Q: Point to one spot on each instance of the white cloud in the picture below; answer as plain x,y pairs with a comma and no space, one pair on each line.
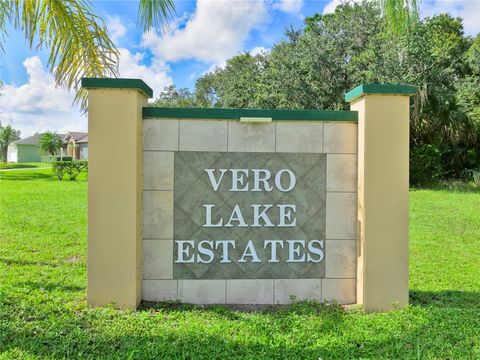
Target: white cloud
331,6
216,31
155,75
258,50
38,105
468,10
214,67
116,28
289,6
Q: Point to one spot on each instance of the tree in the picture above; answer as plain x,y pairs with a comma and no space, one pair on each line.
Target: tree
7,136
311,69
173,97
238,85
205,95
77,38
400,14
314,67
49,143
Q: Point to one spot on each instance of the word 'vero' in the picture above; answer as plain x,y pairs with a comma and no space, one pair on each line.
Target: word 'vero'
260,212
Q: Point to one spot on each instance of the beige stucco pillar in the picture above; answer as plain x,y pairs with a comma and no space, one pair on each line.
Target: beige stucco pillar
383,167
115,182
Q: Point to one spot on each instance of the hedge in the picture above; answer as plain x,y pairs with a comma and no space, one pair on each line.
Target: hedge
72,168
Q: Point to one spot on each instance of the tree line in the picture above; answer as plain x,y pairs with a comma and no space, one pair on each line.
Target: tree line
313,67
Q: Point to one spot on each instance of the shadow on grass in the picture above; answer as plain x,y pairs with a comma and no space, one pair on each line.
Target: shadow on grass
46,175
179,331
50,286
26,175
18,166
442,299
235,311
451,186
303,330
187,335
446,299
16,262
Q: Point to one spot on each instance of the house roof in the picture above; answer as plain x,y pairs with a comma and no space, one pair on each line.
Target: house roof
83,140
78,136
32,140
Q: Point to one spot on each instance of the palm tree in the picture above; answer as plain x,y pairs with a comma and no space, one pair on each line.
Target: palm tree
49,143
77,38
7,136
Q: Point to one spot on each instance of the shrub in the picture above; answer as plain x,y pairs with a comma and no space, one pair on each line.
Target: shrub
425,164
471,175
48,158
64,158
72,168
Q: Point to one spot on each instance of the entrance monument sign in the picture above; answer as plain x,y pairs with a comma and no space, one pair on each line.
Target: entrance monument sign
242,206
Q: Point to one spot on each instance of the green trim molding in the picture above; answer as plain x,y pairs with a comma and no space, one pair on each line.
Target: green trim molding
236,114
380,89
115,83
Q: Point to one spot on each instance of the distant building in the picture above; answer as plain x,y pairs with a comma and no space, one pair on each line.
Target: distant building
74,144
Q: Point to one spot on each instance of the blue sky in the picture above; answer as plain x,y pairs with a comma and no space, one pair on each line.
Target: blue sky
203,34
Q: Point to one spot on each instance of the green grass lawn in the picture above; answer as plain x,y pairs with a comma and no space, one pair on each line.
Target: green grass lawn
43,313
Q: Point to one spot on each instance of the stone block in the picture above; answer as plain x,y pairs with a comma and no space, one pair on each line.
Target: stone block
158,170
342,172
251,137
342,291
203,135
158,214
202,291
160,290
301,289
250,291
340,137
341,259
160,134
157,259
341,216
302,137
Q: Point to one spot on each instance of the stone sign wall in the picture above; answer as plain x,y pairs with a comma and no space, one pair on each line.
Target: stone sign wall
247,206
249,213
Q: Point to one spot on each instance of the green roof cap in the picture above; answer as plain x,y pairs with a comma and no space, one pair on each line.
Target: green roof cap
379,89
236,114
116,83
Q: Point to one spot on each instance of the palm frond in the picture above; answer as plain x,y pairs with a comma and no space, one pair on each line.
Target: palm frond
154,14
5,10
77,38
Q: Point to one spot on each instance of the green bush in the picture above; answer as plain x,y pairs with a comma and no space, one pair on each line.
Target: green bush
471,175
64,158
72,168
425,164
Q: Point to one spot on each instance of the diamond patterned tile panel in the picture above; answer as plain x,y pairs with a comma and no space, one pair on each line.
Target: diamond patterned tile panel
193,189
